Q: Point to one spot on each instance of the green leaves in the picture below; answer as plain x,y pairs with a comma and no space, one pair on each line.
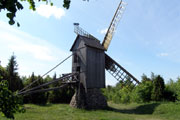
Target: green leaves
12,6
9,102
66,4
18,24
32,5
11,18
19,5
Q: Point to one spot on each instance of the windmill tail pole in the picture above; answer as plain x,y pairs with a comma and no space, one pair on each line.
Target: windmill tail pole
45,74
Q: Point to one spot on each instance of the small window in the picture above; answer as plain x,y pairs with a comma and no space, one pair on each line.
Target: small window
78,69
75,58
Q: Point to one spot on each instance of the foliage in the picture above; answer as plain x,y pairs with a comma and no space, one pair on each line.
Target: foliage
169,94
158,88
15,83
36,98
3,73
9,102
150,89
118,94
12,6
178,89
145,78
173,89
125,93
63,95
66,4
142,93
108,92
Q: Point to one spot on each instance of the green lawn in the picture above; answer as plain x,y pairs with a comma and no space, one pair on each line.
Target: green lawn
150,111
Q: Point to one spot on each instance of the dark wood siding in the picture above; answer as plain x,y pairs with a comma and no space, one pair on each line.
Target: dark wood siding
95,68
80,50
91,62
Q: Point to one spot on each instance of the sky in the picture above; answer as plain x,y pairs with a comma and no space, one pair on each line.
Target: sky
146,40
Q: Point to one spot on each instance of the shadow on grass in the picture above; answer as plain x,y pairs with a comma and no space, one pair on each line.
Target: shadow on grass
41,105
142,109
45,105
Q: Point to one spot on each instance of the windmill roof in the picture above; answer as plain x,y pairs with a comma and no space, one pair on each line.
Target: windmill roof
89,42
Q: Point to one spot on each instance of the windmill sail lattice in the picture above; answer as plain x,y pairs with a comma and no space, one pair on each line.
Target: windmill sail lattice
114,23
118,72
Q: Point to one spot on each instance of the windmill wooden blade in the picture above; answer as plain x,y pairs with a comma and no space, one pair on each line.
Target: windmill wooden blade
117,16
118,72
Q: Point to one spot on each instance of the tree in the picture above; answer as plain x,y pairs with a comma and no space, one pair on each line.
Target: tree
12,6
170,91
62,95
3,73
39,97
145,78
13,78
10,103
158,88
142,93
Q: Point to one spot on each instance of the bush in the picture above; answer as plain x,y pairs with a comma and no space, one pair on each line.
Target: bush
169,95
3,73
62,95
125,93
9,102
142,93
36,98
158,89
150,89
108,92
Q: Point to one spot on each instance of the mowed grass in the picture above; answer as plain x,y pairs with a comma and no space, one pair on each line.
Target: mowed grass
150,111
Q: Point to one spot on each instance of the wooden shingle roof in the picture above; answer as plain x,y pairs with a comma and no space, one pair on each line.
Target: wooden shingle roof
90,42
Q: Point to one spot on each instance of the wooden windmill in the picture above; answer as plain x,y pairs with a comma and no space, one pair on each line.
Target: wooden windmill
90,61
88,68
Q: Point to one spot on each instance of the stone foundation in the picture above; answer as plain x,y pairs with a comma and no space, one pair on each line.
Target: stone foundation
90,99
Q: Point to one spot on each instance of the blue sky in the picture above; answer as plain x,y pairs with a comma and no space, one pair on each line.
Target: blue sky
146,40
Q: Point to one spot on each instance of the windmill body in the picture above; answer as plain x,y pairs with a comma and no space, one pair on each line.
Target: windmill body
89,60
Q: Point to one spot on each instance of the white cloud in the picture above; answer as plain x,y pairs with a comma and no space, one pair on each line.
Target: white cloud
104,31
47,11
33,54
37,51
17,44
163,54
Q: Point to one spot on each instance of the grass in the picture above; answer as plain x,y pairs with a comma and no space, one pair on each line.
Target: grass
150,111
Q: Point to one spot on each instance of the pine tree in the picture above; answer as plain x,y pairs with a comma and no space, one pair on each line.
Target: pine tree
36,98
158,88
14,80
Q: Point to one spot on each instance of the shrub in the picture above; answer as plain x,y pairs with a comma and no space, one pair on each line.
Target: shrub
62,95
36,98
158,89
142,93
9,102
